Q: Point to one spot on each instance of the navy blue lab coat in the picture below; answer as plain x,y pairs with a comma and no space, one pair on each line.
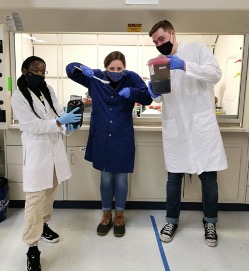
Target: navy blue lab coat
111,143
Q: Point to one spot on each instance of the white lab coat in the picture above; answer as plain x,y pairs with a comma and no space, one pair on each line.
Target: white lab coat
43,148
192,141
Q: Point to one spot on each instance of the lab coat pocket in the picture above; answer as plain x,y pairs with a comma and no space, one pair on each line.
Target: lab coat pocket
170,129
205,121
36,153
192,87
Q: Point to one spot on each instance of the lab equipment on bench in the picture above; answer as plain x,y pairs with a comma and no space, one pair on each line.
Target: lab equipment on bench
160,75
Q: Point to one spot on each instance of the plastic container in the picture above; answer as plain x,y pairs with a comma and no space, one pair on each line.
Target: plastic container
219,110
160,75
4,198
76,101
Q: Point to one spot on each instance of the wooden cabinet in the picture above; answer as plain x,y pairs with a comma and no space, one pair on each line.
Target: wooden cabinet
85,181
232,181
13,149
148,181
84,184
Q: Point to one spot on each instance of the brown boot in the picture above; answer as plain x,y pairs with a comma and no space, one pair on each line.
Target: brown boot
105,223
119,227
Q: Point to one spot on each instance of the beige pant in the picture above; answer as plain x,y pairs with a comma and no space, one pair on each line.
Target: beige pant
38,210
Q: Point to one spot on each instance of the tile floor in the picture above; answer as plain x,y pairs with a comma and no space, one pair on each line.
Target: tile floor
81,249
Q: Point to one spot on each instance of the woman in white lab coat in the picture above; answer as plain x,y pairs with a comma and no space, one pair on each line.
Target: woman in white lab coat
45,162
192,141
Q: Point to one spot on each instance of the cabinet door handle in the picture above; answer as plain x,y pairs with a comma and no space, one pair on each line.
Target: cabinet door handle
71,159
76,160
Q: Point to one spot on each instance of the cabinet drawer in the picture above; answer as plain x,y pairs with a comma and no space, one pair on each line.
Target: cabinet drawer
16,191
14,173
16,187
14,155
78,138
84,184
13,137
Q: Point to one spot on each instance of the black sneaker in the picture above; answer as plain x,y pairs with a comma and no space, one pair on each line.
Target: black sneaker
167,232
33,259
211,237
48,235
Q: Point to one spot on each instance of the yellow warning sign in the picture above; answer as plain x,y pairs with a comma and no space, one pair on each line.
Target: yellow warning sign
134,28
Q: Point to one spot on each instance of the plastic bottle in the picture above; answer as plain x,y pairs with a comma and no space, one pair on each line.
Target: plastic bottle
76,101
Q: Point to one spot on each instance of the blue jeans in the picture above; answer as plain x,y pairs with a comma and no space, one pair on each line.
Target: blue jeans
113,185
209,196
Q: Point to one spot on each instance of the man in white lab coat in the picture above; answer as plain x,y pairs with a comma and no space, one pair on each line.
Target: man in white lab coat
192,141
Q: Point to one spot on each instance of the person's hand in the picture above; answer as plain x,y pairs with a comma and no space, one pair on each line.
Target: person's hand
87,71
150,91
175,63
125,92
70,127
70,117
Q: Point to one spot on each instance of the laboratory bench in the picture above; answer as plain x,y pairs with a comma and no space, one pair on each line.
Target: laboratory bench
147,184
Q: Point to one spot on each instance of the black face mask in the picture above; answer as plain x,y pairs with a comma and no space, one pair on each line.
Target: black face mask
166,48
33,80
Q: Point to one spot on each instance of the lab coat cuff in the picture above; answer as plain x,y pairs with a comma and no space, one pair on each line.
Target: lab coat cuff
158,99
63,129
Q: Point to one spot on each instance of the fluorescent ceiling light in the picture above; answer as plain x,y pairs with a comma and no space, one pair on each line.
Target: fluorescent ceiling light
32,38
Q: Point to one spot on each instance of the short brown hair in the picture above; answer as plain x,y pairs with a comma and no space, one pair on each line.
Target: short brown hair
166,25
116,55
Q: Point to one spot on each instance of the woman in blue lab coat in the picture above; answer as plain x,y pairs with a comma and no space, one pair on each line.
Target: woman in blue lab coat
111,145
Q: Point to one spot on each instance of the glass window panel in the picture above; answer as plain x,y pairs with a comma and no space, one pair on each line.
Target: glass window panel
72,88
128,51
85,54
91,48
71,39
50,55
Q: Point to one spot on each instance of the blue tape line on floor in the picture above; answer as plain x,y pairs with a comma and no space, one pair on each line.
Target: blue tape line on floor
163,256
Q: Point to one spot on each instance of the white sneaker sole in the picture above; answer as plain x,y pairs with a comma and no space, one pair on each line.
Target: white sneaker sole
211,244
165,239
50,241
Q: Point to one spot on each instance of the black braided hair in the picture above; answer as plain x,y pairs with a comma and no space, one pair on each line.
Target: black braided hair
23,87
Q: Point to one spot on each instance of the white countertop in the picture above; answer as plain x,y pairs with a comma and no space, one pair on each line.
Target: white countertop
156,128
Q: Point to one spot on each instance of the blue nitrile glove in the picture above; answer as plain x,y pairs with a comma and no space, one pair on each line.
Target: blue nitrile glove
70,127
175,63
150,91
70,117
125,92
87,71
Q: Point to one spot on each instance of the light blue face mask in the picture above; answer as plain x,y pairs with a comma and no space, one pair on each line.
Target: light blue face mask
115,76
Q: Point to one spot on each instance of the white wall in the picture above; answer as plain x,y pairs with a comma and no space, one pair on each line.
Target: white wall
189,16
228,51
